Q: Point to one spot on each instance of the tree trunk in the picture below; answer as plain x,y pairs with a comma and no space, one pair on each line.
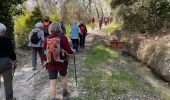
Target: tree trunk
97,11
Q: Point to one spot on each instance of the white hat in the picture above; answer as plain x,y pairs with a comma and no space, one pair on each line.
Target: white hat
39,25
2,29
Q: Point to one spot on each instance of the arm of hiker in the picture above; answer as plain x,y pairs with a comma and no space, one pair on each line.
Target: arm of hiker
66,46
44,50
12,54
42,36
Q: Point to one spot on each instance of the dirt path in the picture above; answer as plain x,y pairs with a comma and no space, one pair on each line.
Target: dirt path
37,87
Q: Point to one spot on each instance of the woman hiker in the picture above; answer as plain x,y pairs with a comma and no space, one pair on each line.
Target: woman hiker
7,59
57,67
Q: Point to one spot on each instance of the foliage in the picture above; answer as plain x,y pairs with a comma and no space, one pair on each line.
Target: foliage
6,16
54,18
36,16
111,27
22,30
143,15
24,24
163,8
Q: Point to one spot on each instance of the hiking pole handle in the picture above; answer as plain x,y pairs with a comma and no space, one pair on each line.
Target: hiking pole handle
15,66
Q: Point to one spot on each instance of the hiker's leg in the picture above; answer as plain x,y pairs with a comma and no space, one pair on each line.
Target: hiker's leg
63,74
64,81
34,57
83,41
40,54
81,38
77,44
7,76
52,83
73,43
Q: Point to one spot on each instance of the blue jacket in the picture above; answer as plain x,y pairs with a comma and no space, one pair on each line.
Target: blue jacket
74,32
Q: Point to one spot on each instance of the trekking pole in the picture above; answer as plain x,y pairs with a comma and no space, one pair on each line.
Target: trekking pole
0,81
13,70
75,72
37,72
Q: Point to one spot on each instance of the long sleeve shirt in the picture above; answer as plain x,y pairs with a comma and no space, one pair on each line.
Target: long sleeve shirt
6,48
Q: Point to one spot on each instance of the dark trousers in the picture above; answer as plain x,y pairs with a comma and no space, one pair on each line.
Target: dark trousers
82,41
100,25
36,50
7,76
75,43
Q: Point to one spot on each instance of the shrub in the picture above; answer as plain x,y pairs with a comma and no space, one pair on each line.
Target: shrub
23,25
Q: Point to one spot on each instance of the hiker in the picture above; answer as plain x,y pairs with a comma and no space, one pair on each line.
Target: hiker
46,24
93,22
36,41
74,35
100,22
82,34
63,27
7,59
105,20
56,58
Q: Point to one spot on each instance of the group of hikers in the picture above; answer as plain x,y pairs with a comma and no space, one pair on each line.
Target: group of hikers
105,20
49,41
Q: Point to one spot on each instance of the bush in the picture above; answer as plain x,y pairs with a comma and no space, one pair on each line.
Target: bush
143,15
23,26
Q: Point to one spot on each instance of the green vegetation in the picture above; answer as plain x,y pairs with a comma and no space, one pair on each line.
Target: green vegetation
143,15
6,14
24,24
108,80
111,27
98,55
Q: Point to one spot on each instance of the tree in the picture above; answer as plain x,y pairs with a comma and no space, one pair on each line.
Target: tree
6,16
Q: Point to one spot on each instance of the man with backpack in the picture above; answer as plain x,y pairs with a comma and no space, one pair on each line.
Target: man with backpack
56,48
36,40
63,28
82,34
46,24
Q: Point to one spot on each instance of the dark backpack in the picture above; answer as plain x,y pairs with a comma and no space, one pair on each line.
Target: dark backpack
34,38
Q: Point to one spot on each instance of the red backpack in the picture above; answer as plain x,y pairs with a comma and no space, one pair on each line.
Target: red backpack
83,30
53,50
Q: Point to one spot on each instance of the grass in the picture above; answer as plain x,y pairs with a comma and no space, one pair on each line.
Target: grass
99,55
111,27
107,81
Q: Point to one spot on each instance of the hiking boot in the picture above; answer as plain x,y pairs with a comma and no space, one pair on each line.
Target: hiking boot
34,68
14,98
65,93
